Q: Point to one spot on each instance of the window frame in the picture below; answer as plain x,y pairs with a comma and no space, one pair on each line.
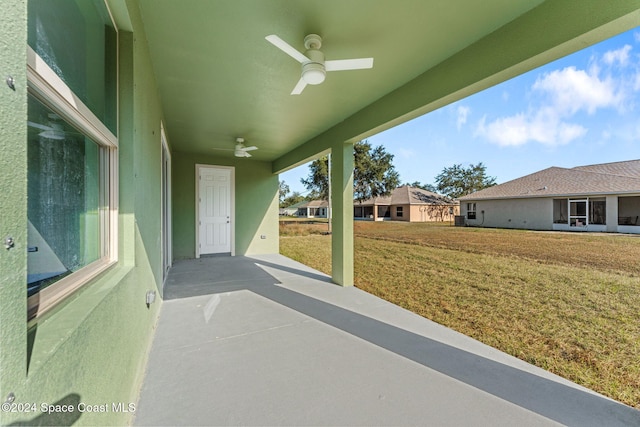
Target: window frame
49,89
575,220
471,210
399,211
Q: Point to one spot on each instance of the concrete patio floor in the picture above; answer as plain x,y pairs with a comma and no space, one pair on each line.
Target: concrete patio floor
268,341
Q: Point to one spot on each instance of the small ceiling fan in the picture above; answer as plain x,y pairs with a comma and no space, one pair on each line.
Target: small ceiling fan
54,129
240,150
314,67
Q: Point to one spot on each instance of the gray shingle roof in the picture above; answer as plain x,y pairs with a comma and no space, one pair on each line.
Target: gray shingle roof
606,178
407,195
314,204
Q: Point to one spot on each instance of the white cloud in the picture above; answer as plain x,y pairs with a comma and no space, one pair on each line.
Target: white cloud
406,153
621,56
636,36
543,127
608,82
505,96
572,90
463,113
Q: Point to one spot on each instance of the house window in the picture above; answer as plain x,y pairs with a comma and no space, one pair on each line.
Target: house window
78,41
71,148
399,211
384,212
629,210
560,211
367,211
598,211
578,213
471,211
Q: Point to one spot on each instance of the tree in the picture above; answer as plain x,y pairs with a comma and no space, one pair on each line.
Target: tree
457,181
291,200
418,184
317,182
283,191
374,174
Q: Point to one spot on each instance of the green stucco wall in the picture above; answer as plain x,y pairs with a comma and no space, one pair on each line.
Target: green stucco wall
91,349
13,205
256,204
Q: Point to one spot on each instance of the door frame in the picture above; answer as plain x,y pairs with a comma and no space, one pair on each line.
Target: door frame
232,195
166,240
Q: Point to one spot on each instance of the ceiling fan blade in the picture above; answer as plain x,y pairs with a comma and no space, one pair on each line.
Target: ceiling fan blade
286,48
253,147
223,149
349,64
39,126
299,87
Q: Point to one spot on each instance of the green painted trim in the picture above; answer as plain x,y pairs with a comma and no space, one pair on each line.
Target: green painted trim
547,32
342,218
13,209
126,132
93,347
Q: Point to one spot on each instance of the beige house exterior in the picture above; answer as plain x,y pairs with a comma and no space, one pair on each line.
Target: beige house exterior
409,204
598,198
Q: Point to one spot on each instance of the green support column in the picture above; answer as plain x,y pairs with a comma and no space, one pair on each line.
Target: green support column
342,214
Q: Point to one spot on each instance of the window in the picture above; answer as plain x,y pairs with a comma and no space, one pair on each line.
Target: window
629,210
384,211
367,211
598,211
399,211
471,211
578,213
560,212
71,148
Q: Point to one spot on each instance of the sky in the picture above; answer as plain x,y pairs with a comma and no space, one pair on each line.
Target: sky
579,110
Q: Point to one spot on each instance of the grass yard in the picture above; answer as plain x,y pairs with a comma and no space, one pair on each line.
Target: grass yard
567,302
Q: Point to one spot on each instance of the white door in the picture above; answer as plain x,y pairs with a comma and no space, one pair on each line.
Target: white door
214,210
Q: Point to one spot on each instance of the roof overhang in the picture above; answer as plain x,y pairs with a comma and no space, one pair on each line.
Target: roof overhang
220,79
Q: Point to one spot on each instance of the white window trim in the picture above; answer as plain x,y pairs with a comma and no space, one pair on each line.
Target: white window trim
585,216
50,89
45,85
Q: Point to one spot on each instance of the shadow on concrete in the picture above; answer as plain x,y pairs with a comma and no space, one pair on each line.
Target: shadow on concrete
551,399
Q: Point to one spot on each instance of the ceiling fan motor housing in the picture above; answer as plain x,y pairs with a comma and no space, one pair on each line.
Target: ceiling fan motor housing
313,71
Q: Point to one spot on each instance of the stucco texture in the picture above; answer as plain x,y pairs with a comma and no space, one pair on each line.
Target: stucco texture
91,349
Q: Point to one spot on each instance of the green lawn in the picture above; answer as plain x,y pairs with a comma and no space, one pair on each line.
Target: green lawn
567,302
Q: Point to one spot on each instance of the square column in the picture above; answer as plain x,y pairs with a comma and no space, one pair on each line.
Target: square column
342,214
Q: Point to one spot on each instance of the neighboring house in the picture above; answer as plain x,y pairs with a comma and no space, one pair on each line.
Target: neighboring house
118,151
407,204
313,209
291,210
603,197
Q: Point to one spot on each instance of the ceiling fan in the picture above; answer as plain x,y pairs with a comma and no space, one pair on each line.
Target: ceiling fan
240,150
54,129
314,67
